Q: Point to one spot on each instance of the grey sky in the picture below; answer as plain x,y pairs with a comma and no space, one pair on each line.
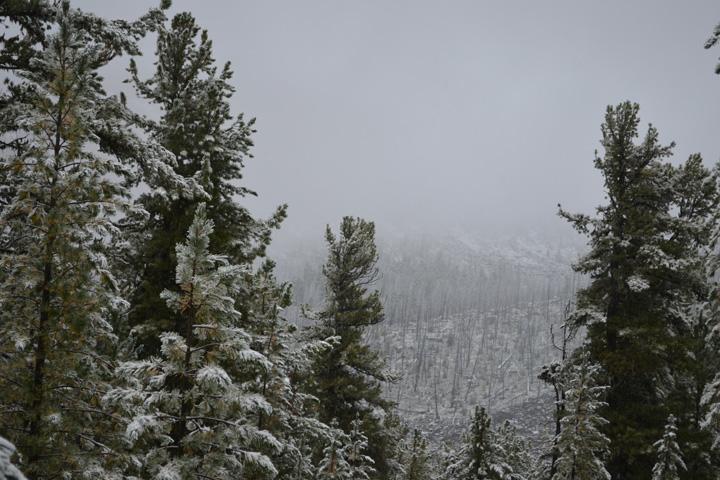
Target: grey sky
453,113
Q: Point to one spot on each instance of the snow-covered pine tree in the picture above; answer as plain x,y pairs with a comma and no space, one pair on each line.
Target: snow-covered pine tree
64,186
711,394
582,447
334,463
210,145
272,333
28,20
189,415
25,24
669,456
361,465
694,355
481,457
293,420
28,24
712,41
646,268
8,471
710,400
702,458
417,461
514,451
450,462
348,378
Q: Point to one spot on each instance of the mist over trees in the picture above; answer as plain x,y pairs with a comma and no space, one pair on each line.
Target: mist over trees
145,333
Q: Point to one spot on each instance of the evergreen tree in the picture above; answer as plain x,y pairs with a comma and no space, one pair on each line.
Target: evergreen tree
28,26
646,270
344,455
710,399
669,457
481,457
293,419
334,463
25,24
712,41
64,186
209,145
514,450
449,462
28,20
348,378
711,402
692,361
28,23
581,445
360,464
702,450
696,380
191,415
417,463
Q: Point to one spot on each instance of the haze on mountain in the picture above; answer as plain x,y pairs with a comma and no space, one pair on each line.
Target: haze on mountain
458,116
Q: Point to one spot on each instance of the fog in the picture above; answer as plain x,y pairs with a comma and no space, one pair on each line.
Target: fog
425,116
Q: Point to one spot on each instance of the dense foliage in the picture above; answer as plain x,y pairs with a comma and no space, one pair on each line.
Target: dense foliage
647,259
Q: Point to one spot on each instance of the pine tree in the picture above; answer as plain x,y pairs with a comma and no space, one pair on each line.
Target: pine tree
8,471
417,464
701,435
209,145
581,445
344,455
32,23
711,402
712,41
334,463
25,24
360,464
514,451
29,21
692,359
64,186
669,457
348,378
710,399
481,457
293,420
646,269
191,415
696,380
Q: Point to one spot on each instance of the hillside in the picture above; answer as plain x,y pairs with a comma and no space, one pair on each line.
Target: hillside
468,322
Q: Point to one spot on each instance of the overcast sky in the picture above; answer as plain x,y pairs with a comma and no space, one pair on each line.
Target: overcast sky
441,114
